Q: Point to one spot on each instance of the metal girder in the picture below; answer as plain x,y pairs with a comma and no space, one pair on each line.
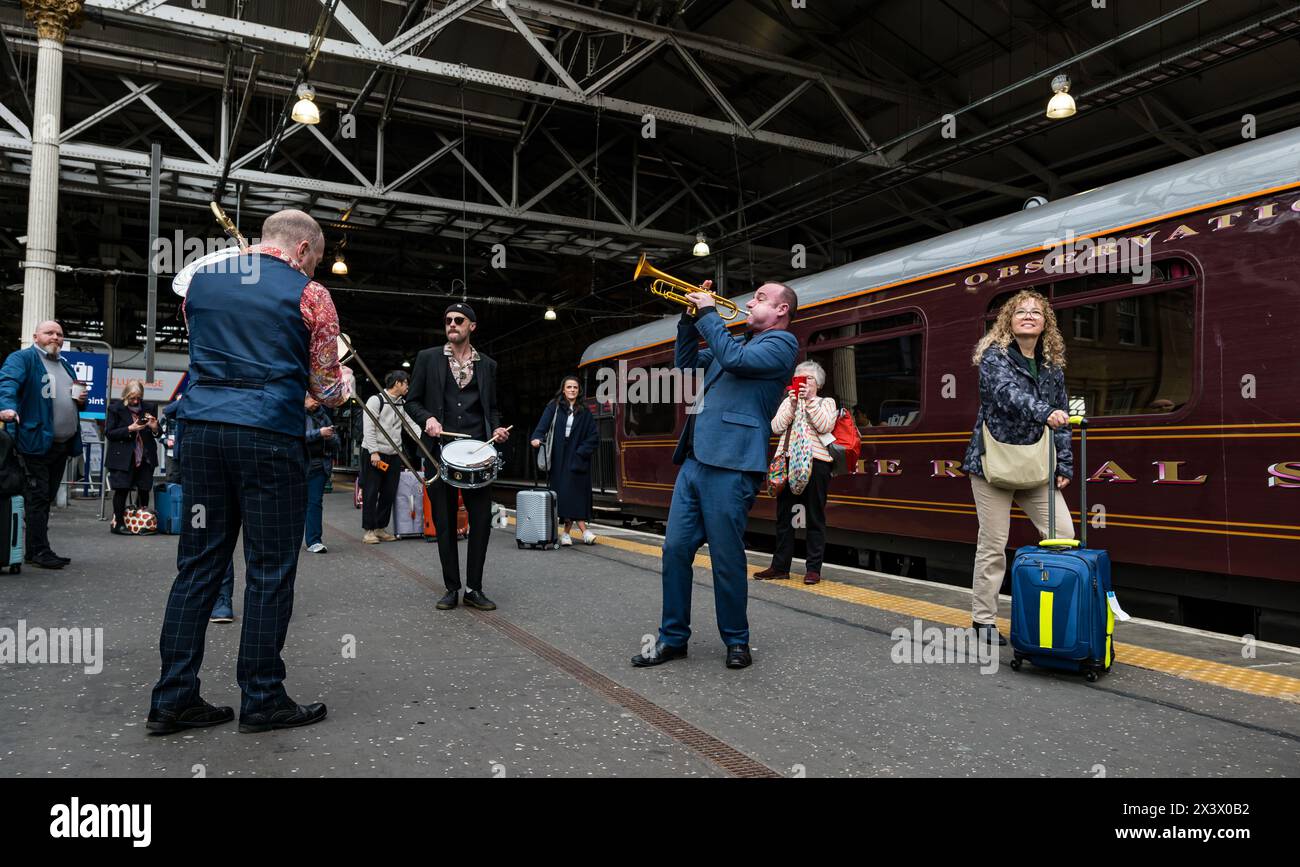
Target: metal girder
198,169
14,121
594,187
469,167
782,104
422,165
727,108
570,172
431,26
353,25
202,21
78,128
175,127
625,66
338,155
503,6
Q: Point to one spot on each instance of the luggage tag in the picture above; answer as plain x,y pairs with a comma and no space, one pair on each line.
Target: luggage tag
1113,601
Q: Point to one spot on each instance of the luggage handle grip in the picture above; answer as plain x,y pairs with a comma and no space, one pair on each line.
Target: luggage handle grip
1082,541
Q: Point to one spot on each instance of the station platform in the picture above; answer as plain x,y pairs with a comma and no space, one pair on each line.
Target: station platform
543,687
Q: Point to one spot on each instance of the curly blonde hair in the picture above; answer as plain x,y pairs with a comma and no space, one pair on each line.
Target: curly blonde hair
1001,335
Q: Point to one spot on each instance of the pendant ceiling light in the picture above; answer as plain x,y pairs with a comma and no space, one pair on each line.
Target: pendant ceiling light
1061,104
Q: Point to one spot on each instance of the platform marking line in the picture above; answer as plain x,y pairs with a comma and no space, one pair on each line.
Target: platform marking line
1247,680
714,749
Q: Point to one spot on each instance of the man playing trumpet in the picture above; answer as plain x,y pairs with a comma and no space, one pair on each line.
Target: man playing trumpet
722,453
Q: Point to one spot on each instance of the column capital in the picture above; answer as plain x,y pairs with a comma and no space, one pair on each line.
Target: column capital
54,18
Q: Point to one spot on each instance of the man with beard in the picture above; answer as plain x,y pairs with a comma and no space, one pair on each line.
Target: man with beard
454,388
39,392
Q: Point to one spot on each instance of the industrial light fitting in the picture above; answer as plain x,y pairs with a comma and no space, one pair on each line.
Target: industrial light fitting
305,110
550,314
701,246
1061,104
340,267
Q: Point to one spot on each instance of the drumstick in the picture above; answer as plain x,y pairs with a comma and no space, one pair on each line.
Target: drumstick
489,442
448,433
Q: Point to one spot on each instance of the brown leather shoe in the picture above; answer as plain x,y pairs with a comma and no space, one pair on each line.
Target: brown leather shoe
812,577
771,574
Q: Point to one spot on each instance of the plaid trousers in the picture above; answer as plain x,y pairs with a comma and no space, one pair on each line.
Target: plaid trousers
233,476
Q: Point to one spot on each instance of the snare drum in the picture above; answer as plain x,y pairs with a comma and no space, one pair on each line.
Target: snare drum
470,464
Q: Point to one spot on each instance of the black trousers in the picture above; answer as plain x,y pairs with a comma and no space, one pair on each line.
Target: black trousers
813,499
478,504
138,479
43,474
378,490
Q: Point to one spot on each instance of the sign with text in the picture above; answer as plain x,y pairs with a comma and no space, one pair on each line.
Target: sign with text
92,372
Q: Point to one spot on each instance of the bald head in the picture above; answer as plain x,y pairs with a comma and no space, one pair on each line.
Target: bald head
49,337
298,234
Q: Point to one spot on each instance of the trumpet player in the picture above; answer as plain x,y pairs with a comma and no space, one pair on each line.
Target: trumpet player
722,453
256,346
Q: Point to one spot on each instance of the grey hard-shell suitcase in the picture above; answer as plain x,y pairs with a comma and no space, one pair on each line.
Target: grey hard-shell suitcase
13,524
535,518
408,507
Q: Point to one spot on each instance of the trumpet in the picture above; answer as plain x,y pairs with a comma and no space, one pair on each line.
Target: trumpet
676,289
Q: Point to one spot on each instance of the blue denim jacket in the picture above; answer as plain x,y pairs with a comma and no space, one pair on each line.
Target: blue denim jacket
1015,406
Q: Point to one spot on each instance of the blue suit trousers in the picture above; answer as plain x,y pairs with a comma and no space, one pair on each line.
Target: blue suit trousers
710,504
234,476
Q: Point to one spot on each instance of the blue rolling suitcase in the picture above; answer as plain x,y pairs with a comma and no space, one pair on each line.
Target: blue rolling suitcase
13,524
1061,613
167,502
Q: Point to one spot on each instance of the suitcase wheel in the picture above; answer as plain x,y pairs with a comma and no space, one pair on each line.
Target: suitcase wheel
1091,675
1015,664
15,569
519,543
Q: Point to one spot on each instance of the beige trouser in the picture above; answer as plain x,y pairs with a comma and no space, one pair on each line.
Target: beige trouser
993,505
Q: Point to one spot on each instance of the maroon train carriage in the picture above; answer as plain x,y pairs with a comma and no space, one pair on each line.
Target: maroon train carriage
1190,378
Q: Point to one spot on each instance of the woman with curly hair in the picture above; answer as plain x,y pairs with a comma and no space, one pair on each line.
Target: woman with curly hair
1022,388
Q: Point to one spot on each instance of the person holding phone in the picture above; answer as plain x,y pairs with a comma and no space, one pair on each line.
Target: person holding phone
322,448
809,378
380,466
132,432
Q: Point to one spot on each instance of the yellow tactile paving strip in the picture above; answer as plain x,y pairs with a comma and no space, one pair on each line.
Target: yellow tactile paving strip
1232,677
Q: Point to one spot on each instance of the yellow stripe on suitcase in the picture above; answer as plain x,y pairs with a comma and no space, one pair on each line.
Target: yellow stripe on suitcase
1045,618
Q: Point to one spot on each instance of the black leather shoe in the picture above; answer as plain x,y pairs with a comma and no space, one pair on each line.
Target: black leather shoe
287,716
660,654
64,560
738,656
164,722
46,560
476,599
449,600
987,631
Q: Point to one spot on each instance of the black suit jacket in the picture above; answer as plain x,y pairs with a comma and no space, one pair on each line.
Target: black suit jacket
121,442
429,386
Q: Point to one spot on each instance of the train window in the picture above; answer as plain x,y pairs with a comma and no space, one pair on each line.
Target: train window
1141,361
654,412
874,369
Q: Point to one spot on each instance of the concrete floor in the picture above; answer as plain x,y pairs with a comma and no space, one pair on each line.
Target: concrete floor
433,693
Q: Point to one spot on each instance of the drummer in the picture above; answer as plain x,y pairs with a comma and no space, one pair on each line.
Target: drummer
454,389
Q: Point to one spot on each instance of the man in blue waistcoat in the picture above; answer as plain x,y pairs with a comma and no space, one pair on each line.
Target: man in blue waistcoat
262,333
723,457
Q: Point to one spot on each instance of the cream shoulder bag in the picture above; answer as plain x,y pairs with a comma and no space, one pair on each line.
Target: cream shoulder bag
1015,468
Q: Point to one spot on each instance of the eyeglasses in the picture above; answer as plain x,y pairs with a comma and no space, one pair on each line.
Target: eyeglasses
1028,314
455,320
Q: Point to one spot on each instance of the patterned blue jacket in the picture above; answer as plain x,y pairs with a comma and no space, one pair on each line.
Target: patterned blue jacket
1016,407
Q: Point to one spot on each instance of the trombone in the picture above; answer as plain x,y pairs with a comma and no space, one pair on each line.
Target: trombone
675,289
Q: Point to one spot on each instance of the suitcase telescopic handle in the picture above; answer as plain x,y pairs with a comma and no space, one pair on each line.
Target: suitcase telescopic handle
1050,541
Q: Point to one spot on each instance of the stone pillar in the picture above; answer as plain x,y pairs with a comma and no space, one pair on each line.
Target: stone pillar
53,20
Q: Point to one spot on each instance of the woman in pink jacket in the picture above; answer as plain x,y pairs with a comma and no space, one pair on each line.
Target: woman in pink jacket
821,413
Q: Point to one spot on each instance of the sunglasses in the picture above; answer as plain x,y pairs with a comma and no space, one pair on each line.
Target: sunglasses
455,320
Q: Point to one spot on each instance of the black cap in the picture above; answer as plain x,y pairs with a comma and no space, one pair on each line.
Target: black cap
462,307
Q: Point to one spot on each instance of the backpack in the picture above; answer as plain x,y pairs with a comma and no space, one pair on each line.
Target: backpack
11,473
847,447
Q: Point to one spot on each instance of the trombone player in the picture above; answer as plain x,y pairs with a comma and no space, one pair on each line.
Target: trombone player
722,453
256,346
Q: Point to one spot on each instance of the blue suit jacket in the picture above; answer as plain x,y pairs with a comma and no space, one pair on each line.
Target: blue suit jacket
21,381
739,394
